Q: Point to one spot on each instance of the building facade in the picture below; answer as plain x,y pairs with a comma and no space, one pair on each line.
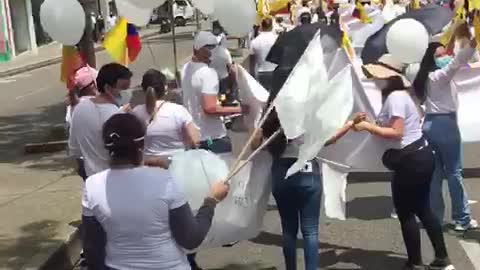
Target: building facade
20,27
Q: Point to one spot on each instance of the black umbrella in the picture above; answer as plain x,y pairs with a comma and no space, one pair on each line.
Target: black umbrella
433,17
289,48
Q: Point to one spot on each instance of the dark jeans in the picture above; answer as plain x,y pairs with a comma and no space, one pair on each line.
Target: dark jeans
265,79
298,200
411,197
217,146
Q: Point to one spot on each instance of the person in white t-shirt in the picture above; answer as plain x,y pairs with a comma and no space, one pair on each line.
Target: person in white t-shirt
85,138
412,161
222,62
259,50
434,84
135,217
200,87
84,88
170,127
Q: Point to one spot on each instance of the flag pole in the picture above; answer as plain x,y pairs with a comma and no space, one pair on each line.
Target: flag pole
174,41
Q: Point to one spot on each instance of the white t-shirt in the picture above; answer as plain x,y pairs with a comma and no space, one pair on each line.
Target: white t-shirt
442,95
221,57
164,135
400,104
86,134
260,47
199,79
133,205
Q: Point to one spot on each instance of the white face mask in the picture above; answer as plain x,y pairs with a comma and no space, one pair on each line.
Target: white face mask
122,97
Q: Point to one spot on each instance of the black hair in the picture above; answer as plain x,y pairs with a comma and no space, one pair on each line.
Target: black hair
123,137
394,83
109,74
426,66
153,83
267,24
306,18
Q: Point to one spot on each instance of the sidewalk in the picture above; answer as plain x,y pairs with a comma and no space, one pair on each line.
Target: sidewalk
52,54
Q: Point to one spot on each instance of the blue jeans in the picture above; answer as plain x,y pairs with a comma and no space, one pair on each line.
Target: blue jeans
442,132
298,200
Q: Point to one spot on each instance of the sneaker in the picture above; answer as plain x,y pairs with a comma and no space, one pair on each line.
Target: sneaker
442,264
409,266
394,215
472,225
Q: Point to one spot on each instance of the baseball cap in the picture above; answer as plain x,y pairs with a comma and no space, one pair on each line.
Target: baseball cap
204,38
85,77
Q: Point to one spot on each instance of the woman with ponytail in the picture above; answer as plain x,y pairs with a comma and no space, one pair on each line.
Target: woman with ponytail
433,85
170,128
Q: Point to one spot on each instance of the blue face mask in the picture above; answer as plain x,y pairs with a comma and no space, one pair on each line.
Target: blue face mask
443,61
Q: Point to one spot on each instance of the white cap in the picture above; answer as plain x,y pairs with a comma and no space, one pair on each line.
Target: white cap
203,39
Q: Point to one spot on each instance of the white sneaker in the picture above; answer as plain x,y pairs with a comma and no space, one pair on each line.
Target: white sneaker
472,225
394,215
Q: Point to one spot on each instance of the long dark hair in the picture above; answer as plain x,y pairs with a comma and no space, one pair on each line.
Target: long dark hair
427,65
153,83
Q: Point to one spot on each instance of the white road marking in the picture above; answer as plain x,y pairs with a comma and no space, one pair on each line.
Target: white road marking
32,93
472,249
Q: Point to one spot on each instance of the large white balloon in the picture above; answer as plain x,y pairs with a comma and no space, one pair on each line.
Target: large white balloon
63,20
132,13
195,171
147,4
236,16
205,6
407,40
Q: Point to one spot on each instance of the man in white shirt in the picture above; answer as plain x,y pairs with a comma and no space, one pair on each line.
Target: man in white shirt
90,114
200,86
259,51
222,62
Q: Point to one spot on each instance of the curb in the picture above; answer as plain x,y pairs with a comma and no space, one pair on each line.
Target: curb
66,255
53,61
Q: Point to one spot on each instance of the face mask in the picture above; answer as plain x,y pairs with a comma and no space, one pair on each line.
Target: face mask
122,97
443,61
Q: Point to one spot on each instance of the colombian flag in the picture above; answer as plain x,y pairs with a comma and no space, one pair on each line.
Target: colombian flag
123,42
72,61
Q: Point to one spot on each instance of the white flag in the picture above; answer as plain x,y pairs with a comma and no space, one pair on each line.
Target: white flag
291,102
327,111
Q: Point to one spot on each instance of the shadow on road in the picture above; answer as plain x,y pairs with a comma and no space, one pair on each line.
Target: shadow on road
361,208
21,129
334,254
17,253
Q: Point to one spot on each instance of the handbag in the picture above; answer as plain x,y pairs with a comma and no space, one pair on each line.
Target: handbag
393,159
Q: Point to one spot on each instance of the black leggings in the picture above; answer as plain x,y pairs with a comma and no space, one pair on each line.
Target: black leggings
411,197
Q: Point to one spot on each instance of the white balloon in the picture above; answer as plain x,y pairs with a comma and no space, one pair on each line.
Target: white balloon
132,13
63,20
236,16
205,6
407,40
195,171
147,4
